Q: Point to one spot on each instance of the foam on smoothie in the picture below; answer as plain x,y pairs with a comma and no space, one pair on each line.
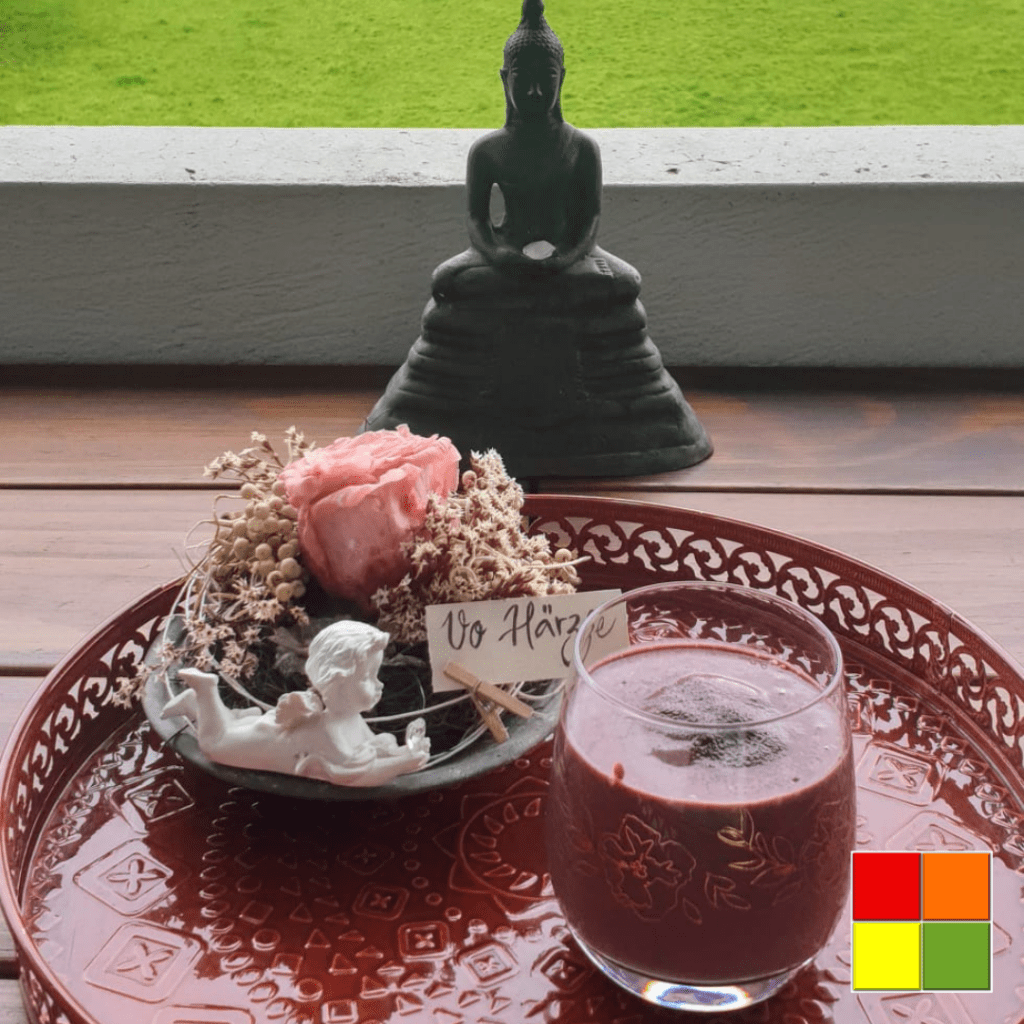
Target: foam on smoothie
716,685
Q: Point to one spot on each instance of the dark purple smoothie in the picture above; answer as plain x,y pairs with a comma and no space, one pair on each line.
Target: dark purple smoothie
697,856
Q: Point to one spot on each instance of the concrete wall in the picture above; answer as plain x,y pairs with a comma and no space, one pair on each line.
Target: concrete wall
879,246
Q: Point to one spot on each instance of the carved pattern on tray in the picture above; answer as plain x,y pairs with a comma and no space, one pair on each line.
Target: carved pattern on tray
41,1002
923,637
58,726
952,741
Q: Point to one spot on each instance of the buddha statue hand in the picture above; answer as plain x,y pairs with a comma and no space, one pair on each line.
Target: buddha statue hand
536,259
479,271
509,259
546,258
540,250
505,257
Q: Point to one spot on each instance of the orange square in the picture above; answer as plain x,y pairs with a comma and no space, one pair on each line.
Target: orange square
956,886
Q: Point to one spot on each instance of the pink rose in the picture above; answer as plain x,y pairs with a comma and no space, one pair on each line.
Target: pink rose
359,499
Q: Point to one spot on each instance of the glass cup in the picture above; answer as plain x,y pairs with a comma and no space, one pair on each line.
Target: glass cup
701,813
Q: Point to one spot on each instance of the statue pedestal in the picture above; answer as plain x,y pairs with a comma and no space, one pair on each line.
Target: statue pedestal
557,392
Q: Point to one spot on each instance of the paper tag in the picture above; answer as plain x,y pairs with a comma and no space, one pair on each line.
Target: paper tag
518,640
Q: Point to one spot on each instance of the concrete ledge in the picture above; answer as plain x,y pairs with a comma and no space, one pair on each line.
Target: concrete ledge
888,246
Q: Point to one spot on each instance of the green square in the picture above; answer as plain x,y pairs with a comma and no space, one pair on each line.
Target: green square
957,956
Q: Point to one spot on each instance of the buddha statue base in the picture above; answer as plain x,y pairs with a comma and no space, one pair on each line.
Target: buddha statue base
561,381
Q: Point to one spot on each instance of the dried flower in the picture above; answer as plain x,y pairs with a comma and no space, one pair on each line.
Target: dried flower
359,499
229,606
472,547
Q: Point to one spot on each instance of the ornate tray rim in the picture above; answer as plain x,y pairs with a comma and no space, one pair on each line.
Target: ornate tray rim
38,982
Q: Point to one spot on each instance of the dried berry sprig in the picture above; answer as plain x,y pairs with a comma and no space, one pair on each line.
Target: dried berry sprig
260,539
248,580
472,547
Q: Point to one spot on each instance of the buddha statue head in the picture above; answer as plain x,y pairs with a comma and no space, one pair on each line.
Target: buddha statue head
533,71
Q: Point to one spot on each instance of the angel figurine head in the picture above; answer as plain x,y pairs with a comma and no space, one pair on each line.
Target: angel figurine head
342,666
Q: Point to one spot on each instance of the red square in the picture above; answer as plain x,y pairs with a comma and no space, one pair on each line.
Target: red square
886,886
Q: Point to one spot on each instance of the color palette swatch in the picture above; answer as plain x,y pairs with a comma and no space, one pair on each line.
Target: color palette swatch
922,921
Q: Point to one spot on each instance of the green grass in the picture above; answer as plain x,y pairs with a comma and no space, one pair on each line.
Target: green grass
434,63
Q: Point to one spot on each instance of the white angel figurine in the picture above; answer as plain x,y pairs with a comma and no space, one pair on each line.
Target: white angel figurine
317,733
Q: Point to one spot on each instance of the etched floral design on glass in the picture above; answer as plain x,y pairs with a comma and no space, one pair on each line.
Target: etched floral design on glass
644,870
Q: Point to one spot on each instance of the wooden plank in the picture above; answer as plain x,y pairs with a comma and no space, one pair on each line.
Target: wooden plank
11,1009
156,437
783,439
15,692
859,442
70,560
8,962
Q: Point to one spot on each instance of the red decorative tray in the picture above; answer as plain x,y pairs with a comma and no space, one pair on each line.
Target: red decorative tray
140,891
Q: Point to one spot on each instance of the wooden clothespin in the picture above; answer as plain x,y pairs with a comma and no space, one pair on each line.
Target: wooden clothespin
489,713
486,697
478,688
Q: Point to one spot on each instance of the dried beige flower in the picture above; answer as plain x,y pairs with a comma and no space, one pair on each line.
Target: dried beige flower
472,547
228,604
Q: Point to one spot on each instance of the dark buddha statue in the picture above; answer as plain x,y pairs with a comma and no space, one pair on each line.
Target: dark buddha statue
534,341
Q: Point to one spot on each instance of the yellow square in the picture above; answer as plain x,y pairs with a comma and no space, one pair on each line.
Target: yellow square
887,955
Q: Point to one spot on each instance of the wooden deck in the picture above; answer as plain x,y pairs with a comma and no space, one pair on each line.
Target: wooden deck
920,474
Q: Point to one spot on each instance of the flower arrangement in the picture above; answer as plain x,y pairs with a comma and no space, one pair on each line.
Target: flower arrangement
471,547
371,528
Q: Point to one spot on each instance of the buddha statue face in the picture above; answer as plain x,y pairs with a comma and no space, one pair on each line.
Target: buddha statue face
533,84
